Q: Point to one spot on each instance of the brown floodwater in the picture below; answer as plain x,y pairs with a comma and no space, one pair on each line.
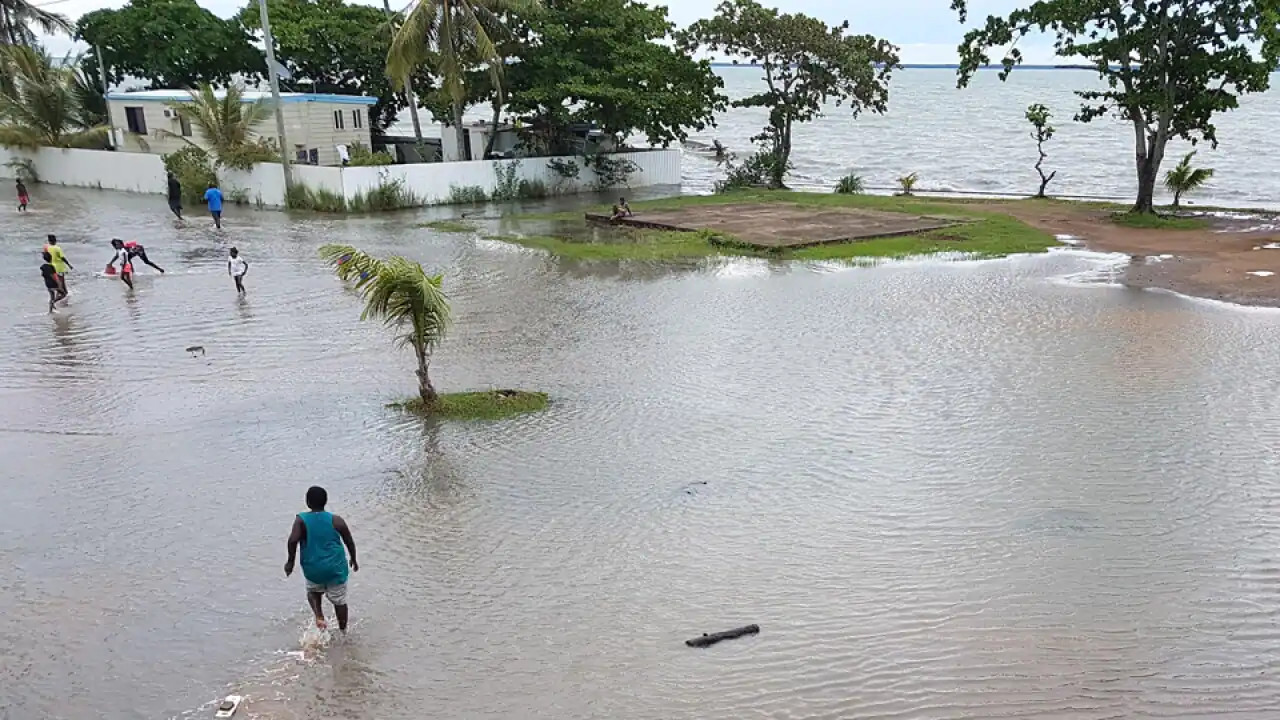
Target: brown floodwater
943,490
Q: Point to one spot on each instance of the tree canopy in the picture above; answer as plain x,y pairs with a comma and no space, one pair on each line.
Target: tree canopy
17,17
329,46
171,43
602,62
806,64
1169,65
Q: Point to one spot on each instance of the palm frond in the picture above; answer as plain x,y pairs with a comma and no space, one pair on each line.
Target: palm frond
351,265
404,297
40,104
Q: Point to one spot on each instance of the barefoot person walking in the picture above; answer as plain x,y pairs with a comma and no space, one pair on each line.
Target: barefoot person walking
324,561
236,268
51,283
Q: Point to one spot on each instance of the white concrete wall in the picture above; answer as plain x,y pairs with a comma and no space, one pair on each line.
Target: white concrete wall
264,184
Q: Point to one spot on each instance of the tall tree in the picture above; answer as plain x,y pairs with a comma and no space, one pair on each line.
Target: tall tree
329,46
39,105
452,35
806,64
617,75
17,17
1169,65
171,44
404,297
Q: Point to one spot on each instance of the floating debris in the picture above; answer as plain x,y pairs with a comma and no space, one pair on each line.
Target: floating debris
706,640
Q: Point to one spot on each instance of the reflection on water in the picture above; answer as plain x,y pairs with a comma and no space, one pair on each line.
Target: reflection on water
943,490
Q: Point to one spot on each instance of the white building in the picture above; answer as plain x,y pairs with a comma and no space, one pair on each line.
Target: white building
315,124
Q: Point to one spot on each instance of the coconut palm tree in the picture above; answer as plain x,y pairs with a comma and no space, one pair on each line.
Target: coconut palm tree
39,105
17,17
226,124
1184,178
403,296
450,35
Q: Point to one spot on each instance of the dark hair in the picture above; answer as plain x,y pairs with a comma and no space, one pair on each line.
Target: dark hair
53,239
47,257
316,497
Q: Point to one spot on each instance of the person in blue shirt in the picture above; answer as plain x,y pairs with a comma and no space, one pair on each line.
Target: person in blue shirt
213,196
324,560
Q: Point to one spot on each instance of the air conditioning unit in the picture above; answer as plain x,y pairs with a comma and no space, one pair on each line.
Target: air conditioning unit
169,113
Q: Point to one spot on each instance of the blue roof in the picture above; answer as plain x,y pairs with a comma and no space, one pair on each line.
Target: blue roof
249,96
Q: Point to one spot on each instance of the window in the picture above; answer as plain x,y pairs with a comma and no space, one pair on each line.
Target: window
355,119
337,119
301,156
314,155
185,125
136,118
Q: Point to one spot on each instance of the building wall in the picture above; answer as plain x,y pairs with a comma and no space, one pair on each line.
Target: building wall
308,125
264,184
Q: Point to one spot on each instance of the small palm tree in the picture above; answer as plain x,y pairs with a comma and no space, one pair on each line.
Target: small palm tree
450,35
403,296
39,104
851,184
226,124
1184,178
908,183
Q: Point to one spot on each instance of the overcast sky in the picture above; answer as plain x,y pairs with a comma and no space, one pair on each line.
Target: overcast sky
926,30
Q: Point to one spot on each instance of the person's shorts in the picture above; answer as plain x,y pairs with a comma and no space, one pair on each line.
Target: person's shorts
23,200
52,288
216,213
128,268
337,594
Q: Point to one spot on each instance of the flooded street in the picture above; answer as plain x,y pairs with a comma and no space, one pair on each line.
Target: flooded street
943,490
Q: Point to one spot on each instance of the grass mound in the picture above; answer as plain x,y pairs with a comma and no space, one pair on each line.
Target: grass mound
484,405
449,226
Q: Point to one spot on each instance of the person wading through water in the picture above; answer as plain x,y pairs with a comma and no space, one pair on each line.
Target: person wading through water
324,561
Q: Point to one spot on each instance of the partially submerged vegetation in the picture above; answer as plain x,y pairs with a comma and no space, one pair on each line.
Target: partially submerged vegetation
983,232
449,226
483,405
1151,221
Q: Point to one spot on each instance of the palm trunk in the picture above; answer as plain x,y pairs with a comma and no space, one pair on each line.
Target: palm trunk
426,390
463,150
497,115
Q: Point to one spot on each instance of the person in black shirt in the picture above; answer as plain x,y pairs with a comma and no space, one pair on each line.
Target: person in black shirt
51,283
175,196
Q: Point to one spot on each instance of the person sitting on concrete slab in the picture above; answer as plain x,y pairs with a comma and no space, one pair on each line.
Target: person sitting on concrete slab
621,210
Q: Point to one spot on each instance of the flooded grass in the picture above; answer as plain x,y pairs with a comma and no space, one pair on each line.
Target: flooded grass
484,405
1148,221
982,233
449,226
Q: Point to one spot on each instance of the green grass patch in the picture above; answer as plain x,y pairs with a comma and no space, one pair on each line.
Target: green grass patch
981,231
484,405
449,226
1150,221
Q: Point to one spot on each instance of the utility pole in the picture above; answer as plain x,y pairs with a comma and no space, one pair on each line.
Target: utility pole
269,43
102,75
408,88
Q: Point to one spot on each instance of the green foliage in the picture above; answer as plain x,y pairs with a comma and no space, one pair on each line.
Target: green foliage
304,197
449,226
908,183
508,185
194,169
1168,67
91,103
362,156
532,190
403,296
610,170
807,65
39,105
227,126
1042,131
171,44
19,17
851,184
608,63
389,194
467,195
24,169
329,46
487,405
763,169
1184,178
564,169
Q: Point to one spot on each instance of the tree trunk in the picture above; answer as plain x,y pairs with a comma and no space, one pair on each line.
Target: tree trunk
1177,199
463,151
493,135
426,390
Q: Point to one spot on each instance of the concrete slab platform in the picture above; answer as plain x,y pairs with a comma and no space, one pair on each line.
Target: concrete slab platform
774,226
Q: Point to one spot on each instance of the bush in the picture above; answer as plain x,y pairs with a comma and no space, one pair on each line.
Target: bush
390,194
362,156
908,183
564,169
194,169
246,155
610,171
765,168
508,187
533,190
466,194
302,197
850,184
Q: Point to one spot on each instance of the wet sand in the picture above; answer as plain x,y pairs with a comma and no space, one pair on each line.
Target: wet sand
1226,261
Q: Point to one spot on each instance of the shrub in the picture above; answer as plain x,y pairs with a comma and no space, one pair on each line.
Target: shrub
851,184
908,183
362,156
564,169
302,197
194,169
765,168
390,194
533,190
610,171
466,194
508,187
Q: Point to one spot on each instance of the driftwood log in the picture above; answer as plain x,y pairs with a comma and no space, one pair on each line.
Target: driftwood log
706,640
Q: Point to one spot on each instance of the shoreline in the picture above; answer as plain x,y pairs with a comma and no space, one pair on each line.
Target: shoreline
1227,260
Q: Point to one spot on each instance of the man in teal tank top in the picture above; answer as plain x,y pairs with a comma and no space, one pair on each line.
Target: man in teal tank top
324,560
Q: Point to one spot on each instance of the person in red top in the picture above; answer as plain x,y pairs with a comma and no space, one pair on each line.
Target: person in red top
23,198
137,251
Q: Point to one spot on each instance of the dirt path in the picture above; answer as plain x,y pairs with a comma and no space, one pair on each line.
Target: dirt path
1213,263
